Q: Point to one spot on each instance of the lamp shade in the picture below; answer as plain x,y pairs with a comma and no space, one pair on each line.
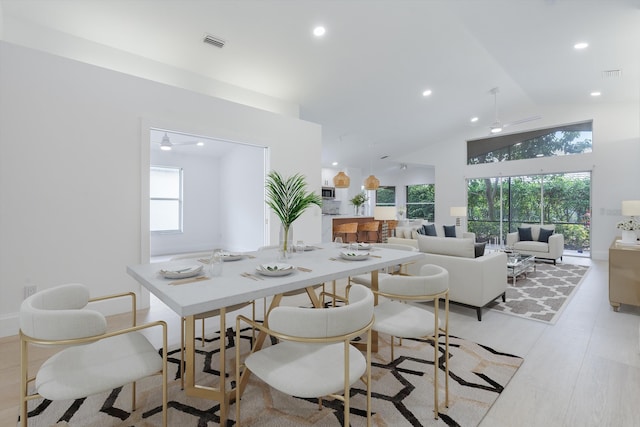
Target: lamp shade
631,207
384,213
458,211
341,180
371,183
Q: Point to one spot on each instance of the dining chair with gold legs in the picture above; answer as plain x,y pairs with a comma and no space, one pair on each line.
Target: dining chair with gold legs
92,359
313,356
398,315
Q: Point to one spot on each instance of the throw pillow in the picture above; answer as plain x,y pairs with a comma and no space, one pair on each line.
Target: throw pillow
525,234
429,230
421,230
449,230
479,249
544,235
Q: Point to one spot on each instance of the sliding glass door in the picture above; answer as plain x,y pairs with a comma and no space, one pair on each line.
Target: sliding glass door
498,205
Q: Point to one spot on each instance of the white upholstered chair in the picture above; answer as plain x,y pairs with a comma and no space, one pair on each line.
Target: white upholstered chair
91,360
309,359
398,315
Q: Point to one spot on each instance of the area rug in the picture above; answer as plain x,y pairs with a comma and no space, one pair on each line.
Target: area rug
543,294
402,393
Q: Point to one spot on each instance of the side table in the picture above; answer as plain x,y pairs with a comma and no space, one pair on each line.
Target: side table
624,274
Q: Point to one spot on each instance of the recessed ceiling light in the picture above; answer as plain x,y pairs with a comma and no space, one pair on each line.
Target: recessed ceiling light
319,31
426,92
334,164
596,93
474,119
200,144
581,45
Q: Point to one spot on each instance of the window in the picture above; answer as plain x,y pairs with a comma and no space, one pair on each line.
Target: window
549,142
166,199
386,196
498,205
421,201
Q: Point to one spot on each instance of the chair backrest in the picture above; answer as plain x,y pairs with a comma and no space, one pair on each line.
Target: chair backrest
325,322
59,313
350,227
433,280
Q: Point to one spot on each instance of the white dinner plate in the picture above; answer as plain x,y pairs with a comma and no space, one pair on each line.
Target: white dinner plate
181,271
275,269
354,255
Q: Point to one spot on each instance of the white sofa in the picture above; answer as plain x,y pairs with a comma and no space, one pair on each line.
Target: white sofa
473,282
408,230
552,250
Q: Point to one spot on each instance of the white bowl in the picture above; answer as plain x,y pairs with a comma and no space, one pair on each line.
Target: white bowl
181,271
229,256
275,269
354,255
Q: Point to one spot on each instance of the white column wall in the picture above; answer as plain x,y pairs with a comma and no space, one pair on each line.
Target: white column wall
73,149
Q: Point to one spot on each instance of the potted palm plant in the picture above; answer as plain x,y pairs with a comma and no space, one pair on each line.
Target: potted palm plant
288,199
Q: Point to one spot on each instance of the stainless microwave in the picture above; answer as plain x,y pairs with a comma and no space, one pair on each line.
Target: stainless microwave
328,192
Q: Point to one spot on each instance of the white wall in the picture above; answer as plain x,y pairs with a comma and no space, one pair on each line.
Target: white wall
74,143
223,200
614,163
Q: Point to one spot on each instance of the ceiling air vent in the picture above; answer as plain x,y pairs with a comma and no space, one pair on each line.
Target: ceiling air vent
608,74
215,41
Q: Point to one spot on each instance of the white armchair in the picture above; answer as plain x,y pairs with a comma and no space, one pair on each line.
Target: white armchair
535,244
92,360
314,344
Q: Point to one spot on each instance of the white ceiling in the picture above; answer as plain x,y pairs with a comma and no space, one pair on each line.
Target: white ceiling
363,81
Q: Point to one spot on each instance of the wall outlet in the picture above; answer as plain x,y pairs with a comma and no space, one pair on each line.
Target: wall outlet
30,290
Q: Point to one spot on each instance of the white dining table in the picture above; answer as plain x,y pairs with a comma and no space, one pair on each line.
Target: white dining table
241,282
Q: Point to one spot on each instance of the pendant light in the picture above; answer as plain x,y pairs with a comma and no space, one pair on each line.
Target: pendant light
341,180
371,183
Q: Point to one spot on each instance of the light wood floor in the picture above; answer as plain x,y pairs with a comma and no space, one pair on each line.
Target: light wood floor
582,371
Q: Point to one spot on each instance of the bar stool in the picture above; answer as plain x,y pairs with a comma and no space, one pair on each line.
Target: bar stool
367,229
344,230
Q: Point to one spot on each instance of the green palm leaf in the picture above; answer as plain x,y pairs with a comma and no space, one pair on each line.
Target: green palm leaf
288,198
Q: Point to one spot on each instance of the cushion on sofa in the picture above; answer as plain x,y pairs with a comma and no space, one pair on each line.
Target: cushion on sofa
449,230
446,246
524,234
544,235
535,229
479,249
430,230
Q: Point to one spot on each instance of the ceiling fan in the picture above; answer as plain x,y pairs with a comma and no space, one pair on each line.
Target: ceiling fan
167,145
497,126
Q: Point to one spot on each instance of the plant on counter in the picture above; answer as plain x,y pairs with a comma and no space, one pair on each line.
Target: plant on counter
359,199
288,199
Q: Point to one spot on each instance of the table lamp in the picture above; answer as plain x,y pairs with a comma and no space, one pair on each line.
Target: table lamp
458,212
384,214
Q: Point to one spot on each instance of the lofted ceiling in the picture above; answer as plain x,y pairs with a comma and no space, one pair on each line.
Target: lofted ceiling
363,81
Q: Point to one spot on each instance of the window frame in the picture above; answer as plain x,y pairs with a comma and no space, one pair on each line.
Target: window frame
179,199
424,203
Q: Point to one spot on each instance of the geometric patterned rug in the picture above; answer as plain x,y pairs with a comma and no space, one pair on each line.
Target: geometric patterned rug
543,294
402,393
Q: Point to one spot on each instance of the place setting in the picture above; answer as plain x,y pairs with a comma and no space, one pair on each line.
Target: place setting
184,273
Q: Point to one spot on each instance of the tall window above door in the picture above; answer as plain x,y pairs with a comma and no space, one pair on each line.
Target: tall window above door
421,201
556,141
166,199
